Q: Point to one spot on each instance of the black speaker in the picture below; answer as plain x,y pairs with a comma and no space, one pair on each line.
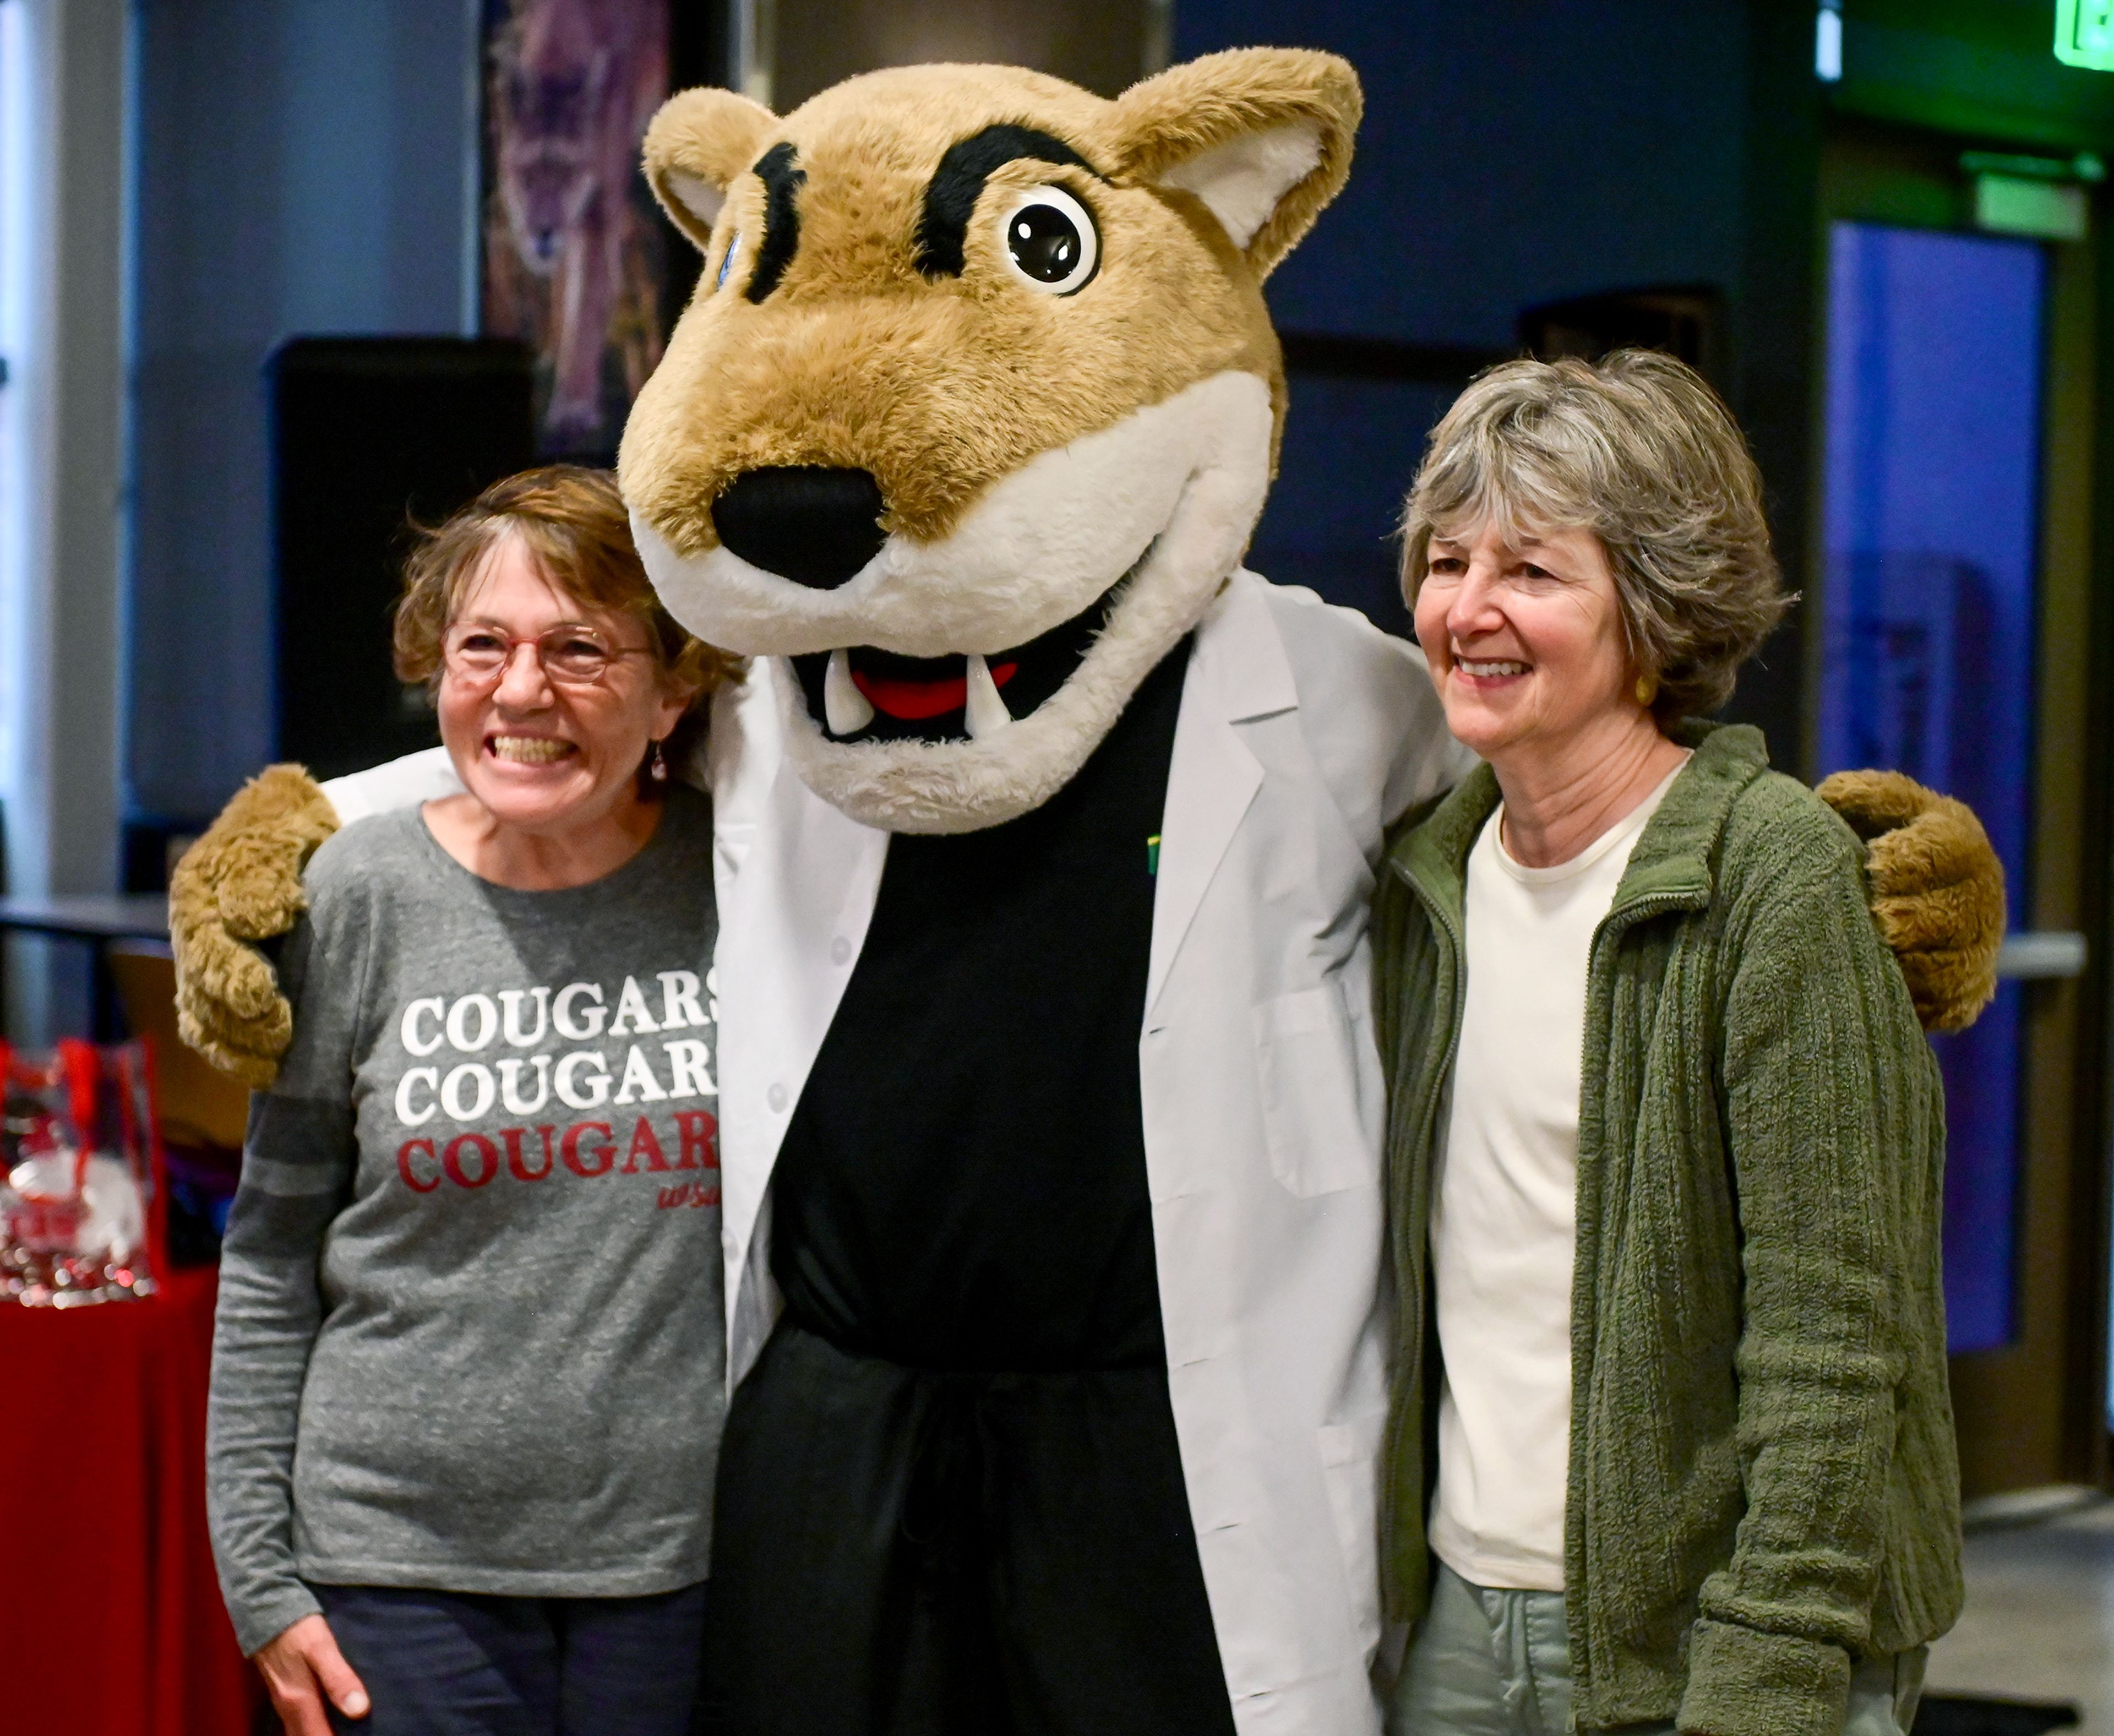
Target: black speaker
369,434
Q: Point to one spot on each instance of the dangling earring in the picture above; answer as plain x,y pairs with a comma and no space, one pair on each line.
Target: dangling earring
657,768
1647,690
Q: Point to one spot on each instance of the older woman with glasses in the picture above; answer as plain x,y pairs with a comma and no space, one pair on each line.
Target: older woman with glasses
466,1390
1670,1408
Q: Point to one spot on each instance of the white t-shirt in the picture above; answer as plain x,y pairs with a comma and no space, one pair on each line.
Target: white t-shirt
1503,1209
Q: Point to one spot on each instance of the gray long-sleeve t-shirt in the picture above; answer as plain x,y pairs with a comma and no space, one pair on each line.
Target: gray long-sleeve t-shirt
470,1334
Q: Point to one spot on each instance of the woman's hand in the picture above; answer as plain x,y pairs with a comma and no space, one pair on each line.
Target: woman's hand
301,1667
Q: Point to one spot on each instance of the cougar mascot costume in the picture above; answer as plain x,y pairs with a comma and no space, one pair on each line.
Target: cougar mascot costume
1051,1109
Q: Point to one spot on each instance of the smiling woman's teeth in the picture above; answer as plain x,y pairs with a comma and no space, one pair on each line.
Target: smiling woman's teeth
1486,670
534,750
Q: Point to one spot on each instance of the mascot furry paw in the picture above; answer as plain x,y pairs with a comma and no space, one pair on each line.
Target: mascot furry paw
1937,887
1051,1110
241,882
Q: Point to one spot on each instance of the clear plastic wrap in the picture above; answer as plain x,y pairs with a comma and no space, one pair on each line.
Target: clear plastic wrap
79,1169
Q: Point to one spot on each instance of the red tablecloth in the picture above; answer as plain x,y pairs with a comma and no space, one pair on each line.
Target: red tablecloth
110,1622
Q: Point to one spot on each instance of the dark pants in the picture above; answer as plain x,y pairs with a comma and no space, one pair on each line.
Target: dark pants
457,1664
898,1552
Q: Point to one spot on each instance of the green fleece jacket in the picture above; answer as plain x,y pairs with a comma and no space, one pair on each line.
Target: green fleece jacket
1763,1482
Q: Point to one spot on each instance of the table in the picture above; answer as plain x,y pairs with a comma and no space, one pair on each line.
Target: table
91,916
96,919
114,1621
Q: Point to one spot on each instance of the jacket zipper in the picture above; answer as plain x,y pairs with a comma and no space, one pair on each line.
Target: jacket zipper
1616,924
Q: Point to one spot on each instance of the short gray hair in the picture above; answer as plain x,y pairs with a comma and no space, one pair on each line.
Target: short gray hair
1638,450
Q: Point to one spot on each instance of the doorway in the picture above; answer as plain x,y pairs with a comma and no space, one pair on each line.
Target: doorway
1952,569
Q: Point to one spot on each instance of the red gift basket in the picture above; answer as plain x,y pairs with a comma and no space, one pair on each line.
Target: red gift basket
79,1175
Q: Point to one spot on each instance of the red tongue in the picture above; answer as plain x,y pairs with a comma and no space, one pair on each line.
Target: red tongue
914,701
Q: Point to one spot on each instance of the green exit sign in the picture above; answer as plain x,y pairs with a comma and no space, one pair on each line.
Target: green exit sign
2084,33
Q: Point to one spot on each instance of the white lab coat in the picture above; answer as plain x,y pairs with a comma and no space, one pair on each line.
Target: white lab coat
1302,732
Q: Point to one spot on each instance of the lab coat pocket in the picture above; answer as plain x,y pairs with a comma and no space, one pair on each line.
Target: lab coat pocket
1313,1088
1350,1469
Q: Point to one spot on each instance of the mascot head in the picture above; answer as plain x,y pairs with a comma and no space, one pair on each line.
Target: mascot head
977,403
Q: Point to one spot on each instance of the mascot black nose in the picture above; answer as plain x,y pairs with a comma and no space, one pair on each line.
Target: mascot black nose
810,524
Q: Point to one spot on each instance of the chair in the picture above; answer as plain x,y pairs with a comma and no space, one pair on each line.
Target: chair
199,1104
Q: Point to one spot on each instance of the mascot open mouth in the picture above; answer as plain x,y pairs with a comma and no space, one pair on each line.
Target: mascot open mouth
858,693
949,685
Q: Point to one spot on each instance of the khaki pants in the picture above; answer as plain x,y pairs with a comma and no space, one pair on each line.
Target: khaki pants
1489,1663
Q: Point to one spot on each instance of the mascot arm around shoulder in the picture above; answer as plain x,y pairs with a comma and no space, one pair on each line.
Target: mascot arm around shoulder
1937,887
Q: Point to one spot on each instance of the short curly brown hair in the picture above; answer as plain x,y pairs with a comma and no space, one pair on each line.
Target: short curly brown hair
573,522
1637,449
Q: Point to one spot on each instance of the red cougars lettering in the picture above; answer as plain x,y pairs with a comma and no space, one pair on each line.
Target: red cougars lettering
473,1160
599,1158
487,1160
643,1140
403,1165
701,1139
515,1166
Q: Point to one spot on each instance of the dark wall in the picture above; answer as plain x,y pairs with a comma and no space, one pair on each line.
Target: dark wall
1514,151
301,168
1099,44
1517,151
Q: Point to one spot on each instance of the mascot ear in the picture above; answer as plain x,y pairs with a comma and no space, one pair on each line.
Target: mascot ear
1261,135
699,142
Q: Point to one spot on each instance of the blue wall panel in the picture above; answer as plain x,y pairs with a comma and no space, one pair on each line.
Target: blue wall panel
1933,408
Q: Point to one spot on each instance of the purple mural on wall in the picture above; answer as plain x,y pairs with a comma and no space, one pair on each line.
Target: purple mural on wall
574,254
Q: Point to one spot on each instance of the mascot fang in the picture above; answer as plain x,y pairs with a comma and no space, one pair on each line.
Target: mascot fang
1051,1110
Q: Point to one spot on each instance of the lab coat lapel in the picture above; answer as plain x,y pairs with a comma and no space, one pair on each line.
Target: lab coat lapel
1237,673
802,901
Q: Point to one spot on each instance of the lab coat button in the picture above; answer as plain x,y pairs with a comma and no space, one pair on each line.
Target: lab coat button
776,1096
840,951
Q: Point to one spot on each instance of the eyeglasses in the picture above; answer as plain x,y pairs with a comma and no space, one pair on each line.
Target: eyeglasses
570,657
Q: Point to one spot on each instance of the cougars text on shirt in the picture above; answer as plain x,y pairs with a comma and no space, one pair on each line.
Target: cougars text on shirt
583,1047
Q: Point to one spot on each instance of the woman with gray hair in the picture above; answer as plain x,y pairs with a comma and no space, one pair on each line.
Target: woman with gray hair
1671,1442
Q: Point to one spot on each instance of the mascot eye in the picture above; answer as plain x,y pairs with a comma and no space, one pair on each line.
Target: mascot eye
726,264
1050,241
